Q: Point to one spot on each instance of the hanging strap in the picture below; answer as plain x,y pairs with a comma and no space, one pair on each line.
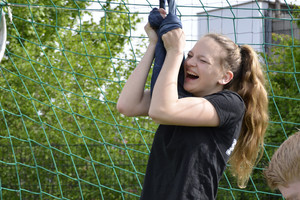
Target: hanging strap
171,4
162,4
163,25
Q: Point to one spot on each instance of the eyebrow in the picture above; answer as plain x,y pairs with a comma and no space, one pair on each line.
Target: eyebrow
190,52
198,55
201,56
206,59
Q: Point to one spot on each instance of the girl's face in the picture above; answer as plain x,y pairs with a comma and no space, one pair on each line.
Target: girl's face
203,72
291,192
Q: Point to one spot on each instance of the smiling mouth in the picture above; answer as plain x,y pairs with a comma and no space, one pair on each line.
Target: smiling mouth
191,75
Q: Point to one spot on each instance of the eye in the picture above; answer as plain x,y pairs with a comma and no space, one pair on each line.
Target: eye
204,61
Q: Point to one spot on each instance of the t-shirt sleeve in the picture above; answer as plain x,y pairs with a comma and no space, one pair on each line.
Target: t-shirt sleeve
229,106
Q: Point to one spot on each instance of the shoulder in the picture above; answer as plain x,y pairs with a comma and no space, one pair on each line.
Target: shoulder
226,97
225,94
228,104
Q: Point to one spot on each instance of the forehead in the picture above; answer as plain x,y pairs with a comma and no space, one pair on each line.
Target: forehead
208,47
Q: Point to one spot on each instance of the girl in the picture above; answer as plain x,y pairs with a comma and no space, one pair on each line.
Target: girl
225,116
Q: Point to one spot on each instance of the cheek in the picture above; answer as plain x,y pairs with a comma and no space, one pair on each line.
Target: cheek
206,70
216,71
184,65
287,192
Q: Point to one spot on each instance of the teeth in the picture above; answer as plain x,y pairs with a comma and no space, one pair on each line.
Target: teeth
191,73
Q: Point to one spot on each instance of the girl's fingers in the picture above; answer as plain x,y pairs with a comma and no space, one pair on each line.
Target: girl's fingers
151,33
162,12
174,40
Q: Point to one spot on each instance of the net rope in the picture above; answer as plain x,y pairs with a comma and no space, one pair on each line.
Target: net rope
65,64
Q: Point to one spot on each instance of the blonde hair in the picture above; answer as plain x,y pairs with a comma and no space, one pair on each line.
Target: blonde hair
284,167
249,83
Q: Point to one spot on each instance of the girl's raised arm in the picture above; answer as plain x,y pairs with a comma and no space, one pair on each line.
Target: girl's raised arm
166,107
134,100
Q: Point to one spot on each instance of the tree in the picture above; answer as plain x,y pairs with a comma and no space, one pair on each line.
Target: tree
60,134
284,90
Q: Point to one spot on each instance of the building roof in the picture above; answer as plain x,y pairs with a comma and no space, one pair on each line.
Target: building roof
272,4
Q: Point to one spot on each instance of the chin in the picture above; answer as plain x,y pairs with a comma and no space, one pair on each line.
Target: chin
187,89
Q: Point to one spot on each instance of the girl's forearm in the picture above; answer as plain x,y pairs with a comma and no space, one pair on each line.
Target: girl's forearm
134,100
165,94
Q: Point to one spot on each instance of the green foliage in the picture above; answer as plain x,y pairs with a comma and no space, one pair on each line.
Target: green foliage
282,66
60,134
284,87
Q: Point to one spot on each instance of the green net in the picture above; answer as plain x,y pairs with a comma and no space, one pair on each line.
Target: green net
65,63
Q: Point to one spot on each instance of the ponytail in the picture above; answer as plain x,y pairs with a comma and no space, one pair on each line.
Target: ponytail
249,82
250,85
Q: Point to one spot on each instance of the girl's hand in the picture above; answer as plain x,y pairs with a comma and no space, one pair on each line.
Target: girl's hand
152,35
174,41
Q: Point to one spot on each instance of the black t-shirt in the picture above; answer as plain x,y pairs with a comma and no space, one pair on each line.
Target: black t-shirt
186,163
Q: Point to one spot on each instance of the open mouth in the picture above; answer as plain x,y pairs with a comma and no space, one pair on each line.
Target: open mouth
191,75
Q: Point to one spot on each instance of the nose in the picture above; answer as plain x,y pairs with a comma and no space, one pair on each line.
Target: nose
191,62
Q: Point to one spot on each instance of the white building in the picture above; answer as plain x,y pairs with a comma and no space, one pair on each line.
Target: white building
249,23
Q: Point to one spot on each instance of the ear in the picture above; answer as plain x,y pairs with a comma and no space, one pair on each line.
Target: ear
227,77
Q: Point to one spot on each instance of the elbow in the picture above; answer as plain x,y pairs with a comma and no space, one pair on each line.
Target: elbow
120,108
157,115
123,109
152,115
